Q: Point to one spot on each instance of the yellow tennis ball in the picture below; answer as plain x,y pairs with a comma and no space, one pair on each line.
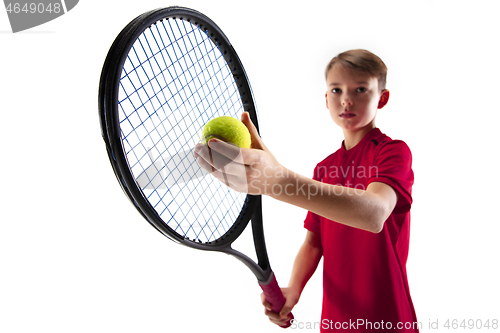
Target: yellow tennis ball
228,129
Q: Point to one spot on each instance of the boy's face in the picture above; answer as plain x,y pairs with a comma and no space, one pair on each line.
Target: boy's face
353,98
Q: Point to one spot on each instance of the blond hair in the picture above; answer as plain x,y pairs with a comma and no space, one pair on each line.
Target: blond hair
361,61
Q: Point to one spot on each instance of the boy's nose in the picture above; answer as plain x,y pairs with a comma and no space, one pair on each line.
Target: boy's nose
347,102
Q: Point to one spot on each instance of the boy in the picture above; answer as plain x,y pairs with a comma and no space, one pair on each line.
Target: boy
358,201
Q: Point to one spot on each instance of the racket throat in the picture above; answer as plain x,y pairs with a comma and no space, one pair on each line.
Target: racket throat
262,270
262,275
259,241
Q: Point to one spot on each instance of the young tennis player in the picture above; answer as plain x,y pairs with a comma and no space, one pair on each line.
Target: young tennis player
358,205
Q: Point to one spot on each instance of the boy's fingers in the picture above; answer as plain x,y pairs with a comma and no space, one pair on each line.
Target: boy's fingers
218,153
273,316
256,140
226,151
232,153
276,318
202,156
287,308
284,314
266,304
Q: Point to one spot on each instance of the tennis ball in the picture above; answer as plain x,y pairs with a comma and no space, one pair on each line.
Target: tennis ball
227,129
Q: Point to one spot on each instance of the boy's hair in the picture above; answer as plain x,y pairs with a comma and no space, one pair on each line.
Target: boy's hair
361,61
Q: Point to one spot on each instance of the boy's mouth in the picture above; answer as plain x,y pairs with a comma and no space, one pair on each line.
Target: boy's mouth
347,115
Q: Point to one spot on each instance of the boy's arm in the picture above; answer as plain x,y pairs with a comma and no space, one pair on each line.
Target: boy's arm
304,267
261,174
364,209
256,171
306,262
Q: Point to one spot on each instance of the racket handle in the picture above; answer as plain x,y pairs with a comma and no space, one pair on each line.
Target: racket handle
275,297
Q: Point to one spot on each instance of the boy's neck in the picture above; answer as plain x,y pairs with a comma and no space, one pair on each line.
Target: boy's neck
352,138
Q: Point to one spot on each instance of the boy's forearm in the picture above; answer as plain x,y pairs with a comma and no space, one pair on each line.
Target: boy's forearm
354,207
304,266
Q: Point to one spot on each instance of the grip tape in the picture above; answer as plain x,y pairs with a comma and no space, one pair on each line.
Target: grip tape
275,297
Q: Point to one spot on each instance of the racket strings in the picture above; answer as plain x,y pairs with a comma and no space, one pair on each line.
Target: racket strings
186,86
173,81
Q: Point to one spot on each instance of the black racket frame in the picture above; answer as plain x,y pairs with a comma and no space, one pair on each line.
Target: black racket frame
110,131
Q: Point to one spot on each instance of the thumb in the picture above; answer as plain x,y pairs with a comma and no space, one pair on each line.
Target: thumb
285,310
257,142
291,299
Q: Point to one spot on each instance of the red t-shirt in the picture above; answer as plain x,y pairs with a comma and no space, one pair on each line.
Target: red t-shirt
365,288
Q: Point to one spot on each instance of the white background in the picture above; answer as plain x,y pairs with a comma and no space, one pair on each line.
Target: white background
75,256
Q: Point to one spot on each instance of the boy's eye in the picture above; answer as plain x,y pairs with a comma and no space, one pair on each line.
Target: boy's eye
361,89
336,90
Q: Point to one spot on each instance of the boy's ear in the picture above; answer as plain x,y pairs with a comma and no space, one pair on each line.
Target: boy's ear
384,98
326,99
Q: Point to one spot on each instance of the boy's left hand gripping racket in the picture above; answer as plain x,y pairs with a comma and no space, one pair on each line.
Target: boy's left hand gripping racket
167,73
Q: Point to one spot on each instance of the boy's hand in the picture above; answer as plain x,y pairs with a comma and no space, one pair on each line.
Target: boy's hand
253,171
281,319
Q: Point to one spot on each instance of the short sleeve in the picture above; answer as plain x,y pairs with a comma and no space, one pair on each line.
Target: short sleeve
393,167
312,221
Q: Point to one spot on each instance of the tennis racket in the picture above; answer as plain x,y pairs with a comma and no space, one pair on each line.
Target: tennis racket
168,72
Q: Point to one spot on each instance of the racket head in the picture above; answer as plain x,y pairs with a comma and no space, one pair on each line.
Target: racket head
145,123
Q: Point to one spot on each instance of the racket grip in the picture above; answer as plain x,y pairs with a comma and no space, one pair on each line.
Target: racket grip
275,297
